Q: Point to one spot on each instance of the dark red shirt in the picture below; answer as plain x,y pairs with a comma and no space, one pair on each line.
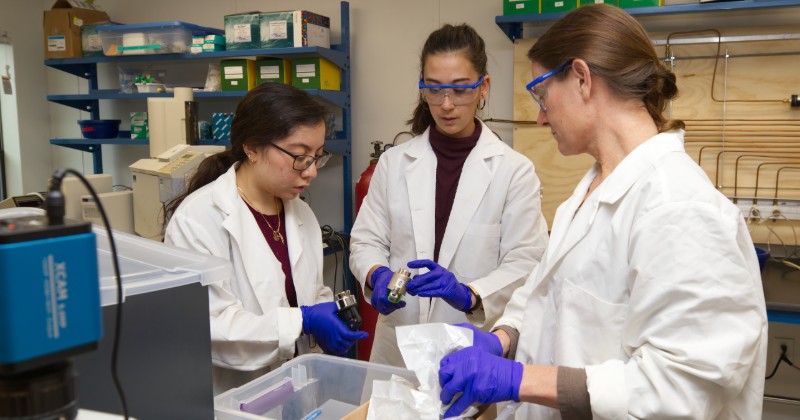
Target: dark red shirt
280,250
451,153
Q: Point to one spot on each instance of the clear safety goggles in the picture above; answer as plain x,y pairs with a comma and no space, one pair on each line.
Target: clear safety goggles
458,94
538,97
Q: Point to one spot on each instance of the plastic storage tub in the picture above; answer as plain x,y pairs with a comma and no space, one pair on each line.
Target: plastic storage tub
99,129
151,38
334,385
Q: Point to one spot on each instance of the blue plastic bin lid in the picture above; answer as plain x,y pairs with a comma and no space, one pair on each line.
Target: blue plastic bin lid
161,25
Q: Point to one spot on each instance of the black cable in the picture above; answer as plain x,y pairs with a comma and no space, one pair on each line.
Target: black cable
778,364
56,184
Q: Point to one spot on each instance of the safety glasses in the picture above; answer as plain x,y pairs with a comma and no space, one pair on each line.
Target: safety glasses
531,87
458,94
303,162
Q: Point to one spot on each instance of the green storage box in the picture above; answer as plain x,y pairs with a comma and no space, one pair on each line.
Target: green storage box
520,7
315,73
627,4
298,28
558,6
273,70
608,2
242,31
238,74
139,125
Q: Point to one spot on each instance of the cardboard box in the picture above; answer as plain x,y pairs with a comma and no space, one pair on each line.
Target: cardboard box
297,28
62,27
558,6
242,31
238,74
274,70
520,7
315,73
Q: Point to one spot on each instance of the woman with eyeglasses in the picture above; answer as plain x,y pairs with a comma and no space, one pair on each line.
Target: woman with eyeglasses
243,205
455,205
648,303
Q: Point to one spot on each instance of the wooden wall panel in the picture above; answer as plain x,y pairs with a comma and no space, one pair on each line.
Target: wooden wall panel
748,121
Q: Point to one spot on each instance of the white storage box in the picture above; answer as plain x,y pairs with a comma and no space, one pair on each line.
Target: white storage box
151,38
334,385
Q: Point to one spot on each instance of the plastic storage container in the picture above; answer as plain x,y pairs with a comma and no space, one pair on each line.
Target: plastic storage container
151,38
99,129
334,385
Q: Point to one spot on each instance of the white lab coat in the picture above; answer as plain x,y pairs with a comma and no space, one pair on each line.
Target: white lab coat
253,329
495,236
654,288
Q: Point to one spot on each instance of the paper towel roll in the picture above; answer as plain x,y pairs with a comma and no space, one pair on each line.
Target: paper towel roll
183,94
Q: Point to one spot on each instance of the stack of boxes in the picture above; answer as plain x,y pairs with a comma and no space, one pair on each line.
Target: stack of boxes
522,7
289,29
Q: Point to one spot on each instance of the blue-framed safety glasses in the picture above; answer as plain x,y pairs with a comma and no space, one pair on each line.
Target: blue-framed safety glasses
459,94
539,98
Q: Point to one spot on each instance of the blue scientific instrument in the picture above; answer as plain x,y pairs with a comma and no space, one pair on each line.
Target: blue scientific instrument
49,311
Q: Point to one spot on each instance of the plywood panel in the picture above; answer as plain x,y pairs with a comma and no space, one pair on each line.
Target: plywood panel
745,136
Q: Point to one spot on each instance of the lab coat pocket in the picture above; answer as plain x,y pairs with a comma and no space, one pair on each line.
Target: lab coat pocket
479,251
590,327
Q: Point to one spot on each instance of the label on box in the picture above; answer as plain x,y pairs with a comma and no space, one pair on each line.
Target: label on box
241,33
520,6
56,43
278,29
94,43
234,72
306,81
77,21
270,72
559,4
306,70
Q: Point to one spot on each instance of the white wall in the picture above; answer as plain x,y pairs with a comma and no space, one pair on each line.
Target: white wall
25,120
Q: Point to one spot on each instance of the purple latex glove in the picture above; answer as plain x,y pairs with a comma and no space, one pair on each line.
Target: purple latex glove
483,340
480,377
380,291
328,329
440,283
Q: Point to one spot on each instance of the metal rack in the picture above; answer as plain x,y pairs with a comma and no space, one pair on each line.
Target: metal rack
86,68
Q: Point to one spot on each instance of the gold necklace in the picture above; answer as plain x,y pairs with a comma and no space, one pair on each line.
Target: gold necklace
276,233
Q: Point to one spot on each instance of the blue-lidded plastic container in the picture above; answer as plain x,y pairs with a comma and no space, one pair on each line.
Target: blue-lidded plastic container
99,129
173,37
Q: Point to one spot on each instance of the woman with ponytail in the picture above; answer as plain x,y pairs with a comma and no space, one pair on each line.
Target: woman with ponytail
648,303
454,205
242,205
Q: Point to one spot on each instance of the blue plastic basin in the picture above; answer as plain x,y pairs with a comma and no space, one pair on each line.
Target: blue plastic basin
99,129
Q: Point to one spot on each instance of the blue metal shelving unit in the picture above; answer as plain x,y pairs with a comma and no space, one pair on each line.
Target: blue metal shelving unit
86,68
512,24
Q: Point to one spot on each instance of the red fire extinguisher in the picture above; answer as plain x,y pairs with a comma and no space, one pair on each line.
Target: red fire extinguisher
369,316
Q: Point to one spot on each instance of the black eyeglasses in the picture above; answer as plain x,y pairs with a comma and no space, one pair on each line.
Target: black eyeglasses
303,162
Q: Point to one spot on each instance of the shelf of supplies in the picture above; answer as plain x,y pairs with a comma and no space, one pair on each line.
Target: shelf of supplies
85,66
338,145
86,101
512,24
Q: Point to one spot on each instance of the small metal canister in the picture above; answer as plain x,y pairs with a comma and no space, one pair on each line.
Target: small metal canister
397,286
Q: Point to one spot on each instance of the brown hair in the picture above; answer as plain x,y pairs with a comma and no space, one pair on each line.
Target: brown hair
617,48
269,112
448,38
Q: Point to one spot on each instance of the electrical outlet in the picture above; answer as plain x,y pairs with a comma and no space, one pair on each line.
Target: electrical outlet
783,341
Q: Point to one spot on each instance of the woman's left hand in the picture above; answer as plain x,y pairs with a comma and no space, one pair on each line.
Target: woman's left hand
438,282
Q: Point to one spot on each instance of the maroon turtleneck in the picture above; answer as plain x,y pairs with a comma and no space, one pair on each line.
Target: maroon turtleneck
451,153
280,250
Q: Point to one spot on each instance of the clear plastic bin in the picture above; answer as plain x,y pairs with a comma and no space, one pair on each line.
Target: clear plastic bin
151,38
334,385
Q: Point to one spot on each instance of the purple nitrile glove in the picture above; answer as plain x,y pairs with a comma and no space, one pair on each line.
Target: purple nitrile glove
438,282
380,291
480,377
331,333
483,340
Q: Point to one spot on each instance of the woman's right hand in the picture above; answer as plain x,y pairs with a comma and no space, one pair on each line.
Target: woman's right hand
330,332
380,291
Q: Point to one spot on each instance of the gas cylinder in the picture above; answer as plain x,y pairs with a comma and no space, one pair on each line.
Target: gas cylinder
369,316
